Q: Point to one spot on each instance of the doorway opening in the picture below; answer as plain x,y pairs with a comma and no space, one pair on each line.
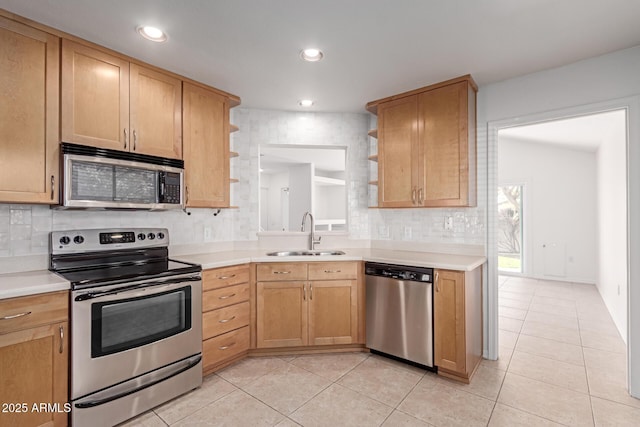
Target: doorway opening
510,228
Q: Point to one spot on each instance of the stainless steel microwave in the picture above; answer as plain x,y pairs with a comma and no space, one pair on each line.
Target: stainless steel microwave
100,178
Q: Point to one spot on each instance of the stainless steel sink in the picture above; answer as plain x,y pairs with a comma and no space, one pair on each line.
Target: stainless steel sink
305,253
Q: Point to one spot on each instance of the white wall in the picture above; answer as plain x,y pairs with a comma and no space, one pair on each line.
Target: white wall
300,195
602,80
559,205
612,223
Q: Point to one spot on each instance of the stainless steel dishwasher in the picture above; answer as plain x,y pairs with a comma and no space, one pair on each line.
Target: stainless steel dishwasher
400,311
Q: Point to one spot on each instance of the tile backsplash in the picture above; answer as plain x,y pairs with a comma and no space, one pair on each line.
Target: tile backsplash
24,229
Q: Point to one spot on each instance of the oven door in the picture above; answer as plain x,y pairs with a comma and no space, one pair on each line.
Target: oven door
122,331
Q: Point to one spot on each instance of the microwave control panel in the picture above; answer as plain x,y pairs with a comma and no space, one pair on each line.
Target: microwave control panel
170,187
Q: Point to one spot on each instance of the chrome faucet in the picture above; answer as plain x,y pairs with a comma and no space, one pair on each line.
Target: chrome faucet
312,237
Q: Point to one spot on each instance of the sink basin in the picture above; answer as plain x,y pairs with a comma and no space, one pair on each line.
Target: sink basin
305,253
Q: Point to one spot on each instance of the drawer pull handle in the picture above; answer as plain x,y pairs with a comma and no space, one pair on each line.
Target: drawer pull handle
333,271
281,272
61,339
226,296
224,347
53,185
15,316
227,277
226,320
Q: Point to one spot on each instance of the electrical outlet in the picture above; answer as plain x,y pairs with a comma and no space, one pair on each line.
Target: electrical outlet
448,223
207,234
407,233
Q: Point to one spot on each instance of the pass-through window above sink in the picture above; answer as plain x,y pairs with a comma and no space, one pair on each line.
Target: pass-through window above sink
299,179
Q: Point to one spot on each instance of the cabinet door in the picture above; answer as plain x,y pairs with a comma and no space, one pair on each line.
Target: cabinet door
333,312
95,97
449,321
155,113
443,135
281,314
398,152
206,147
33,370
29,66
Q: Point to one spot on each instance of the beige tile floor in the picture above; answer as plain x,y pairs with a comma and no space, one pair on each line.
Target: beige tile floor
561,362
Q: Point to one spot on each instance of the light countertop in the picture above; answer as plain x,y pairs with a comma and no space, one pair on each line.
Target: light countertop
41,281
30,283
417,259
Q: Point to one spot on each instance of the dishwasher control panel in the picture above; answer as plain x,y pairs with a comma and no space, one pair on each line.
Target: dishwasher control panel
413,274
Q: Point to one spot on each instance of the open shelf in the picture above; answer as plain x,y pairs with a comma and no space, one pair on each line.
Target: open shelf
373,133
233,128
233,180
233,154
373,158
373,182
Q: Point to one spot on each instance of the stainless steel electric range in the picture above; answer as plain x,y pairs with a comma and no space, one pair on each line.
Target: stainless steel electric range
136,322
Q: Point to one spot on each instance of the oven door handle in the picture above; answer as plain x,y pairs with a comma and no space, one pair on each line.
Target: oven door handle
185,366
99,294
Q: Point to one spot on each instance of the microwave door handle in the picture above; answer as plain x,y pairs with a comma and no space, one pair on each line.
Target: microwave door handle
100,294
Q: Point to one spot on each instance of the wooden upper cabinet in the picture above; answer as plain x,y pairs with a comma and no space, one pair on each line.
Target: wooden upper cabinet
398,154
156,113
108,102
206,147
95,97
427,146
29,126
448,150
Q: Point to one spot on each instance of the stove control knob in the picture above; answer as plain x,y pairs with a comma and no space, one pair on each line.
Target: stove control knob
161,235
65,240
151,236
78,240
141,236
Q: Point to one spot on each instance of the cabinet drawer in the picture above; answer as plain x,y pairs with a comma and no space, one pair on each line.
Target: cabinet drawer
25,312
279,271
333,270
223,297
220,277
225,319
225,346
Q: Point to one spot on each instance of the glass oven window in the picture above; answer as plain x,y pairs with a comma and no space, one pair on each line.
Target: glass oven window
128,323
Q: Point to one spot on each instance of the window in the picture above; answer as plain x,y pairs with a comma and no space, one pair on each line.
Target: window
510,228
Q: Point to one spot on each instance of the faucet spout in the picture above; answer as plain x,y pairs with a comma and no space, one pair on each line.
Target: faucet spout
312,237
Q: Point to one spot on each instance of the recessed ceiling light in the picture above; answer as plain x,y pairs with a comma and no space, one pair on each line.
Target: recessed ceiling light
311,55
152,33
305,103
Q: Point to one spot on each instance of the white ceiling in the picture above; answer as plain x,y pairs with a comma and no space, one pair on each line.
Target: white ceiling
577,133
373,48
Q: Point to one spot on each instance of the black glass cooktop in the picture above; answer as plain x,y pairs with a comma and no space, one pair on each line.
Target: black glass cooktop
93,270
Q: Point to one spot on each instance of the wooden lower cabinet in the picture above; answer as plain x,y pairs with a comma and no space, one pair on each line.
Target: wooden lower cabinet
333,312
458,322
282,319
225,316
294,313
34,362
